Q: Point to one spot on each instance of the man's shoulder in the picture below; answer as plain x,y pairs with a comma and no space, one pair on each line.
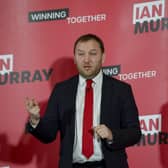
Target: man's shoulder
72,81
115,81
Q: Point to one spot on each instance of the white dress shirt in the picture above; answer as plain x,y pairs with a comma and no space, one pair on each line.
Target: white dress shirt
78,157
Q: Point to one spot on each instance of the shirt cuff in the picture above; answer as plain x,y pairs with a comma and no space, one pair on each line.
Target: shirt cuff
109,142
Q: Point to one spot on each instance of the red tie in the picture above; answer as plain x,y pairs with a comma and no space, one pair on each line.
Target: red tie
87,138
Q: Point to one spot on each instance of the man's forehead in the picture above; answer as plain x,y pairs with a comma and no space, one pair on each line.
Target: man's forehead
88,41
91,43
91,49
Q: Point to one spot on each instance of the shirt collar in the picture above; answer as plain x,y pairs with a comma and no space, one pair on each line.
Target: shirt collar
96,79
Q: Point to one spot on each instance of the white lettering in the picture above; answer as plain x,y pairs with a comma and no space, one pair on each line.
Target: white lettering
150,124
137,75
6,64
85,19
148,11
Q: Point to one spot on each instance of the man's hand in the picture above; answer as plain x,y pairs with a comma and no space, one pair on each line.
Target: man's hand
34,111
103,132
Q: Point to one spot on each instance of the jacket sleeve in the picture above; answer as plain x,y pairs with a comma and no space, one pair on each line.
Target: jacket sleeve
48,126
129,132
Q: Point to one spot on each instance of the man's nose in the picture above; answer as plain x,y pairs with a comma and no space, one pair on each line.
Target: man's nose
86,58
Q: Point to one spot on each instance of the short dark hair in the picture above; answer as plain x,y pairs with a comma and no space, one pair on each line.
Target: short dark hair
87,37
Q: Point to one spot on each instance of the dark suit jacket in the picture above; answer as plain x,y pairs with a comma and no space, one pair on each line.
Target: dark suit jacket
118,112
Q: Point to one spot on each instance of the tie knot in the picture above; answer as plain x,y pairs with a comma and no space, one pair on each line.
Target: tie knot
89,83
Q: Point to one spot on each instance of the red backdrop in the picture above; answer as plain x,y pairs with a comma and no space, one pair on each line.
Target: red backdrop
36,51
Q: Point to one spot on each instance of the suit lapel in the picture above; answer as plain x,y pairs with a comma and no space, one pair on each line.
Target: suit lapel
106,99
73,92
70,127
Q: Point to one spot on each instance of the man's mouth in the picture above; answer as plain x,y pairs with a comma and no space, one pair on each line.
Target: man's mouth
87,67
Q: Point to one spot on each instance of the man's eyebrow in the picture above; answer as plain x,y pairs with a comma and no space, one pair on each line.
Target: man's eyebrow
80,50
93,49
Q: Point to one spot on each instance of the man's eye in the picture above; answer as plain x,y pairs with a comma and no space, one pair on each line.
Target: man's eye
80,54
93,53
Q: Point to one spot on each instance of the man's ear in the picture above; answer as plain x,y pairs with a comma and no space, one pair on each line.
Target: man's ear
74,60
103,58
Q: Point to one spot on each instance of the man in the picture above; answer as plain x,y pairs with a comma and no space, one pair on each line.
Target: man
112,117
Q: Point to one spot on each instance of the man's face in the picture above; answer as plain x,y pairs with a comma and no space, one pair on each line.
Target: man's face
88,58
